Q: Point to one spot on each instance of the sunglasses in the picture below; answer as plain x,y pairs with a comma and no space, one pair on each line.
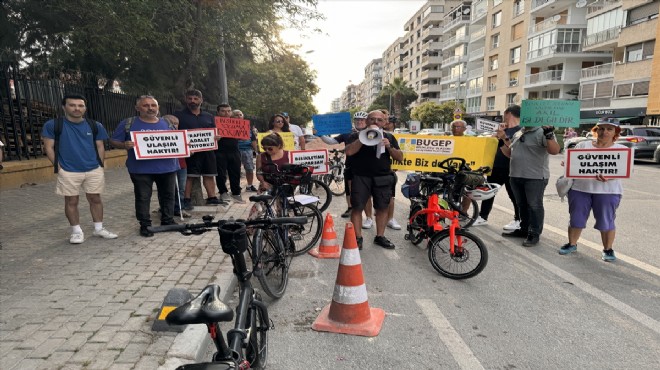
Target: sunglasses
270,148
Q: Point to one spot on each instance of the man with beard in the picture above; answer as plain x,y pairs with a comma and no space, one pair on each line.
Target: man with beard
228,161
200,163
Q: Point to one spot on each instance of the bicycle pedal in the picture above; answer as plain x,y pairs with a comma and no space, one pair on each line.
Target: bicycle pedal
406,237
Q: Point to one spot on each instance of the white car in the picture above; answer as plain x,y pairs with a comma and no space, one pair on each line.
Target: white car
431,131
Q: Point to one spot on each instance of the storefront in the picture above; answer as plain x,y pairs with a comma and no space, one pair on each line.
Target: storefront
628,116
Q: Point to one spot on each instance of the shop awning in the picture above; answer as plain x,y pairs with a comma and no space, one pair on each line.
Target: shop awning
585,121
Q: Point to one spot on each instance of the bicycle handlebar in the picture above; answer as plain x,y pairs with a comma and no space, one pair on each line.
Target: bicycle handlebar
207,225
333,151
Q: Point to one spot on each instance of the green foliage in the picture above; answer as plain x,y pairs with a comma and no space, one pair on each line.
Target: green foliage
429,114
402,96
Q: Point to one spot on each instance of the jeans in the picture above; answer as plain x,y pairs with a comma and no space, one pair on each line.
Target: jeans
499,176
181,176
529,198
229,163
142,188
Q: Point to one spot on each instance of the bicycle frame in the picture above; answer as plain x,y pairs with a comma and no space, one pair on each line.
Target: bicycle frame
434,214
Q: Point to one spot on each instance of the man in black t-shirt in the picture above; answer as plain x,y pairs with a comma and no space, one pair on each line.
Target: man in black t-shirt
228,159
372,178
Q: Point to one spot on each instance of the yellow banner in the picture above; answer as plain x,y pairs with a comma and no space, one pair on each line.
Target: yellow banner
424,152
287,137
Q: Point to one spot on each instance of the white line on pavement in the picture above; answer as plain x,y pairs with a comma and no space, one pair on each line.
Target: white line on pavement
449,336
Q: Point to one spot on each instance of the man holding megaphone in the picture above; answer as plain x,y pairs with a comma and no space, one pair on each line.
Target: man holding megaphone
371,152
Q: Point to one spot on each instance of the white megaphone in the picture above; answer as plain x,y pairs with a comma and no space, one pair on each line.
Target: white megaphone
371,136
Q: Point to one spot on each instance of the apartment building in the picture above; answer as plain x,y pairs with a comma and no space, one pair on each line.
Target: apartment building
349,98
454,54
372,83
474,86
392,61
335,105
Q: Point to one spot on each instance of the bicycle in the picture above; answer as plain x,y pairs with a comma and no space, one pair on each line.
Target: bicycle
246,345
319,189
453,252
335,179
281,201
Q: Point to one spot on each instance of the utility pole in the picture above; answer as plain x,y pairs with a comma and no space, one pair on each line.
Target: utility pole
222,73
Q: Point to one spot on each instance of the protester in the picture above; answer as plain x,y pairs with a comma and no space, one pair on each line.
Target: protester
298,134
372,177
181,177
529,174
199,164
600,195
228,160
246,149
569,133
273,154
500,172
392,223
458,127
77,158
145,172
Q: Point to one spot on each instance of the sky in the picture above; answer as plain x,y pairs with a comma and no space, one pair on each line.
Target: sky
354,32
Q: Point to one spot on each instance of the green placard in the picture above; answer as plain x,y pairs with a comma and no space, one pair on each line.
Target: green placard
558,113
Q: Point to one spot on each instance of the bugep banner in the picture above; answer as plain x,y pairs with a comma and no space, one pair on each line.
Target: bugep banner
311,158
160,144
424,152
587,163
235,128
287,137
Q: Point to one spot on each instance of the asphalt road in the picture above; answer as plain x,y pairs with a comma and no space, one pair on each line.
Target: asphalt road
529,308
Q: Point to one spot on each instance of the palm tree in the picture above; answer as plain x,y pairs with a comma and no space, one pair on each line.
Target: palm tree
398,90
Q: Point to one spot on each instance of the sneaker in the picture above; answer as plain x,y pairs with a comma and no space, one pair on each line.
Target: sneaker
182,213
480,221
105,234
384,242
238,198
77,238
213,201
360,240
567,249
368,223
225,197
516,234
511,226
187,204
531,240
144,231
608,255
347,213
392,224
251,188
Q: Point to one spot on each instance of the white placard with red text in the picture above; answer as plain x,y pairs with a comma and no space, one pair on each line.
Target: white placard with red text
201,140
587,163
311,158
160,144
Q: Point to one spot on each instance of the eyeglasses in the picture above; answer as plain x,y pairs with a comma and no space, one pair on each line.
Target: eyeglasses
457,127
270,148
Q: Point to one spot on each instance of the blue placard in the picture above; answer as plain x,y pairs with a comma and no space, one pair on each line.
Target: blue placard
558,113
333,123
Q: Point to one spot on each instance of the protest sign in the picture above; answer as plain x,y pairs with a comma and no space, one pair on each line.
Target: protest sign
485,125
311,158
287,137
558,113
234,128
423,153
160,144
587,163
333,123
201,140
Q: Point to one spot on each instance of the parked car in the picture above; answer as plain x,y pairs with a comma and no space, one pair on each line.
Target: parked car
431,131
401,131
644,139
656,154
572,142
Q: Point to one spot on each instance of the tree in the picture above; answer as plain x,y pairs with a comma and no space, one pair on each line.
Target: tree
448,108
429,114
401,94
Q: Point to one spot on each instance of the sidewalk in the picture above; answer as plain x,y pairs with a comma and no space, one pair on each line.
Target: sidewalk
91,305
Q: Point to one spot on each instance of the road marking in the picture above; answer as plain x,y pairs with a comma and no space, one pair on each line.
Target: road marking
452,340
391,254
597,247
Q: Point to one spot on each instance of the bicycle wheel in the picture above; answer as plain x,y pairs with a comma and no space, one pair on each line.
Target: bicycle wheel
256,352
272,268
336,181
470,254
320,190
305,236
416,227
466,220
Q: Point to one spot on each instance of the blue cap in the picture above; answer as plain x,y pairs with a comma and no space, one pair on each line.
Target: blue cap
608,121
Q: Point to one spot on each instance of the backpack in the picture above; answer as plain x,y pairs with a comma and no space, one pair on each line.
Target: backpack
130,120
59,124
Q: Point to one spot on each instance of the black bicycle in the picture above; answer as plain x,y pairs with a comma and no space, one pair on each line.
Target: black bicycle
246,345
335,179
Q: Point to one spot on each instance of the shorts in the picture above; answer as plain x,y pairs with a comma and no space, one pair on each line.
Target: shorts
348,176
379,188
604,206
202,164
394,180
70,183
247,159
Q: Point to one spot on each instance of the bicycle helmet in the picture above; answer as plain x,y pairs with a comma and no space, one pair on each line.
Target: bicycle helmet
486,191
360,115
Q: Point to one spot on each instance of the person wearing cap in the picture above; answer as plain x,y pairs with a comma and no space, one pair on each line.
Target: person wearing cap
529,173
599,195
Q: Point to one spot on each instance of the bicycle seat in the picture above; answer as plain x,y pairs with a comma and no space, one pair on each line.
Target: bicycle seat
261,198
206,308
206,366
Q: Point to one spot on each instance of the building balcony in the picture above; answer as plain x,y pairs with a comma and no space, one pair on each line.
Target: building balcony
429,88
554,50
539,5
596,7
479,10
432,18
475,73
455,59
455,41
450,94
491,87
431,60
431,73
431,32
600,41
453,78
432,45
454,23
476,54
474,91
553,77
478,34
552,23
597,72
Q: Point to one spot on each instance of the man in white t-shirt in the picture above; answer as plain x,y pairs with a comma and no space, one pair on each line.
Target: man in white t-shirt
298,135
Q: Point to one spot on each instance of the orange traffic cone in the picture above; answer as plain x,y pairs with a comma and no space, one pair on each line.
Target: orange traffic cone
329,247
349,311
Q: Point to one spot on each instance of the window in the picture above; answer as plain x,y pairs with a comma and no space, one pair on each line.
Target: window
495,41
513,78
518,7
640,88
496,3
497,19
517,31
514,55
493,63
552,94
634,53
643,13
490,103
510,99
473,105
491,83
